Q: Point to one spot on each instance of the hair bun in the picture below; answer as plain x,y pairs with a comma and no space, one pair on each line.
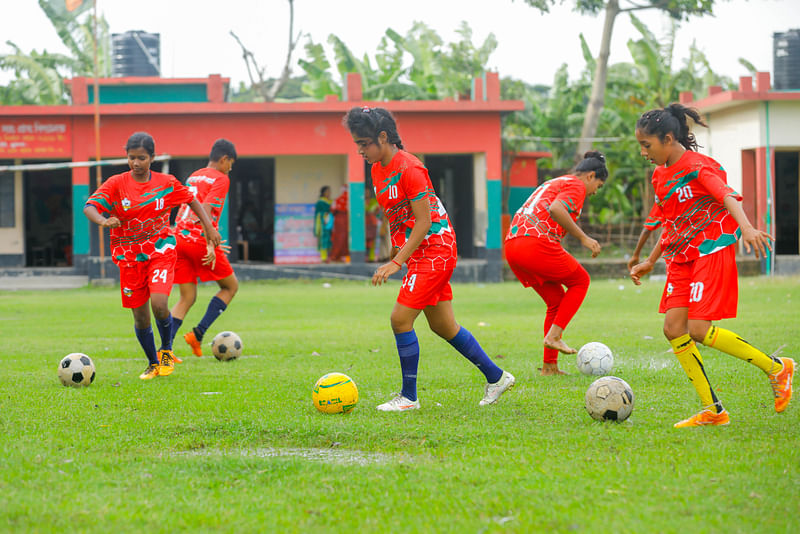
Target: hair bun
596,155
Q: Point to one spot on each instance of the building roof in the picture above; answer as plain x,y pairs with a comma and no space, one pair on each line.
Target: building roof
718,99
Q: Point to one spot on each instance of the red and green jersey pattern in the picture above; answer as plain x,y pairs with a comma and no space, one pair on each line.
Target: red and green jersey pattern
654,218
209,186
533,217
143,210
406,179
689,195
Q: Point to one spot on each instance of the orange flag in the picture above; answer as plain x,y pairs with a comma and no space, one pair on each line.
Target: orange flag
72,5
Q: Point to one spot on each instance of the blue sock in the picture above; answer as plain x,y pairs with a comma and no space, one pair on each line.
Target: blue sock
408,349
215,308
148,343
165,330
176,325
465,343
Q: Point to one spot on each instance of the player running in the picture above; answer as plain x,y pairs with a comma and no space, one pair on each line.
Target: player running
702,220
422,237
534,252
210,187
135,205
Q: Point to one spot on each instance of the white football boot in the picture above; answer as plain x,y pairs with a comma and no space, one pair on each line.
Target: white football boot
493,391
399,404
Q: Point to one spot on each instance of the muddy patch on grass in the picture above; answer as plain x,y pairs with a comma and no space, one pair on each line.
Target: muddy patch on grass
333,456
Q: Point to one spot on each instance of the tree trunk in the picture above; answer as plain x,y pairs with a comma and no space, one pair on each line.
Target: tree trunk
592,116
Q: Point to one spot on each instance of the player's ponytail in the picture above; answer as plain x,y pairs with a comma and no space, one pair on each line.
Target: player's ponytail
370,122
672,120
593,161
141,140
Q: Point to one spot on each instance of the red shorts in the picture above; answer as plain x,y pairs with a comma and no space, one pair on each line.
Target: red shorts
427,288
708,286
189,266
535,261
137,282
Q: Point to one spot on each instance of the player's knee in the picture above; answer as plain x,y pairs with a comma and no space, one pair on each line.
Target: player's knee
698,332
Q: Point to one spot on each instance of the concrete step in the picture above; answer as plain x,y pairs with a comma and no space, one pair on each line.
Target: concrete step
22,282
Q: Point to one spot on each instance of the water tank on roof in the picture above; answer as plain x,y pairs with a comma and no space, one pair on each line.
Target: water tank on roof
786,59
135,53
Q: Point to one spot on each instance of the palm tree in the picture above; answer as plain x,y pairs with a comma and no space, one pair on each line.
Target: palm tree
39,76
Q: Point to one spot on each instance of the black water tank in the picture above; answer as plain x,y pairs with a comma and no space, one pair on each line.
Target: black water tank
135,53
786,59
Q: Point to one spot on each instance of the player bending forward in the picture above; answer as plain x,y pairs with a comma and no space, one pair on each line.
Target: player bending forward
210,186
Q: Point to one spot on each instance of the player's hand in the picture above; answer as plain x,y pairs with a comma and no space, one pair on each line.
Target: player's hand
633,261
213,237
111,222
226,249
210,258
756,240
639,270
383,273
592,245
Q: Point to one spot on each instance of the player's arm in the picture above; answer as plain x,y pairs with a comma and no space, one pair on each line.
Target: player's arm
641,269
212,236
756,239
421,208
643,236
560,215
93,215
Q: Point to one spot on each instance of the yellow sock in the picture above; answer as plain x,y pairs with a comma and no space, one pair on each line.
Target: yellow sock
731,343
692,363
323,255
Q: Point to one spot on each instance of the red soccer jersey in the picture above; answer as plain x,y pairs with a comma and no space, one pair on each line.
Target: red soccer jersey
143,210
533,217
396,185
654,218
689,194
209,186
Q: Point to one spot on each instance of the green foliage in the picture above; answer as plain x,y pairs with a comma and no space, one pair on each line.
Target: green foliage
651,80
436,70
39,76
238,447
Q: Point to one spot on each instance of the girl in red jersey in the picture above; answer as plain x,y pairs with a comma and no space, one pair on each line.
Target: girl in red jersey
423,238
135,205
702,220
534,252
210,187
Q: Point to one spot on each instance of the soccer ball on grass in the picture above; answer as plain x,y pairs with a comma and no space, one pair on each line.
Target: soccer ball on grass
335,393
226,346
76,370
595,359
609,399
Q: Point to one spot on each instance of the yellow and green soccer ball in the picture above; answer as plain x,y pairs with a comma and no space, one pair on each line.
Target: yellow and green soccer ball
335,393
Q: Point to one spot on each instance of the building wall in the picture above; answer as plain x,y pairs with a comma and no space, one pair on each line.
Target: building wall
728,134
298,179
12,240
783,120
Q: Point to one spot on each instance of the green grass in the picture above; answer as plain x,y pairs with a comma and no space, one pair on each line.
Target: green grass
238,446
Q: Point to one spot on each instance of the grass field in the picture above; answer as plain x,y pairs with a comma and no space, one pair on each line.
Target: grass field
238,447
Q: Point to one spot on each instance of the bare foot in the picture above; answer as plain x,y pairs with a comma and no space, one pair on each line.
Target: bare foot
550,369
559,345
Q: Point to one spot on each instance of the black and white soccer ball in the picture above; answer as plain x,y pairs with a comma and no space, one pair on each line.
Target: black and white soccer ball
609,399
594,358
226,346
76,370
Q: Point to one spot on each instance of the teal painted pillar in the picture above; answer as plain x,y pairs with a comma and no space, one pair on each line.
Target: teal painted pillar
357,224
494,191
355,190
80,224
223,224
